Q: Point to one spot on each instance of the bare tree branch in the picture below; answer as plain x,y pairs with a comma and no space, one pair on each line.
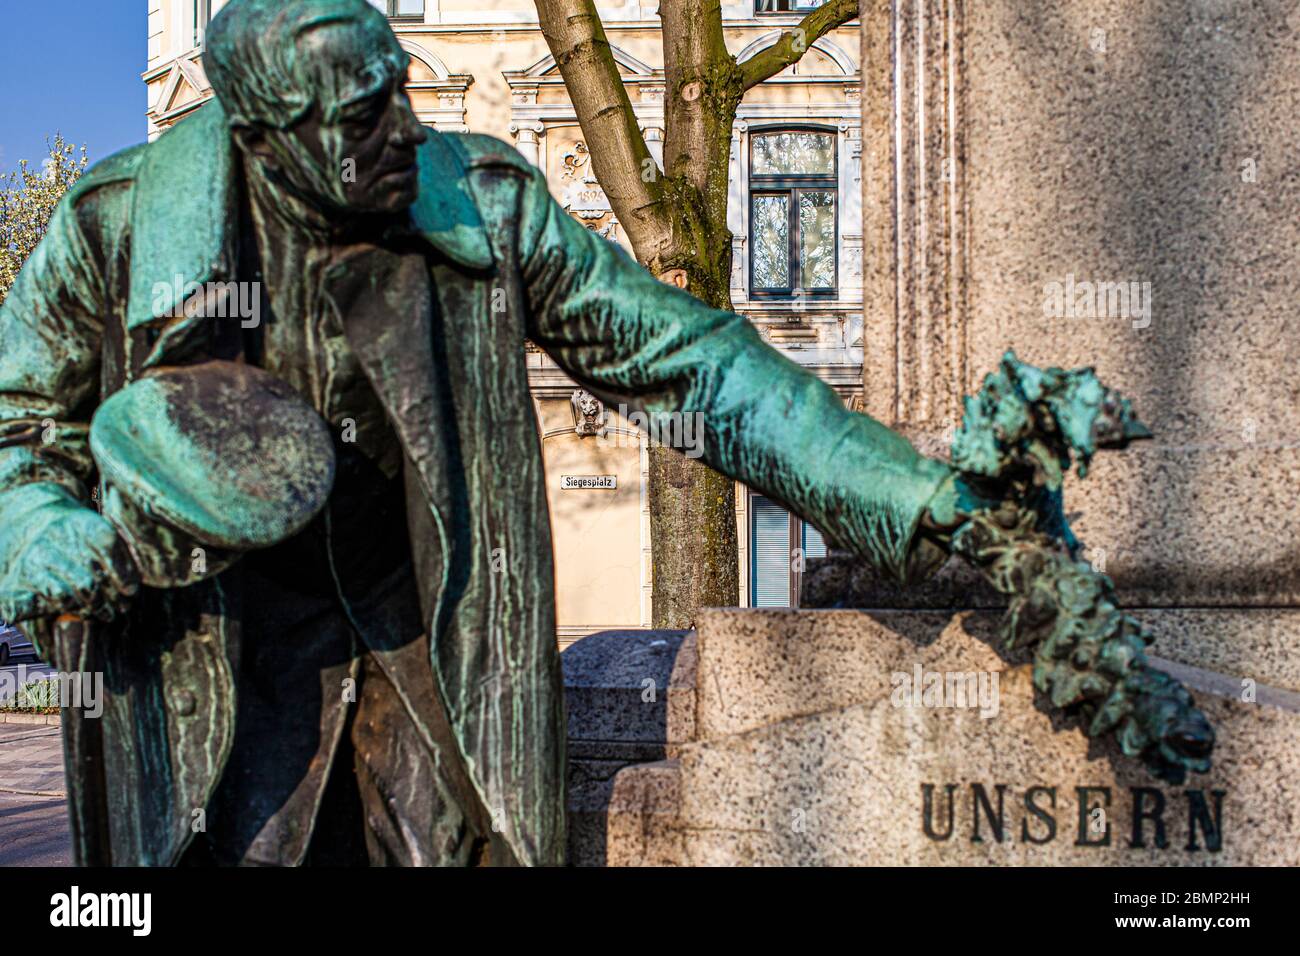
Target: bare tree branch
619,155
769,62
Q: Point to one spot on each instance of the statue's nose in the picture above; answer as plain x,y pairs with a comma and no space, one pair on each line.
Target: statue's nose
409,132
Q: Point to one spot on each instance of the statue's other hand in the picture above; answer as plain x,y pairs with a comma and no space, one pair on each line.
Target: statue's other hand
58,556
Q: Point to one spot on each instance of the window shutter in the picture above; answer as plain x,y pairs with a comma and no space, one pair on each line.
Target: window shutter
769,553
813,544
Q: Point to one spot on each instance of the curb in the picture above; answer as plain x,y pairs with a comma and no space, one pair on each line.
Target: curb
14,717
35,793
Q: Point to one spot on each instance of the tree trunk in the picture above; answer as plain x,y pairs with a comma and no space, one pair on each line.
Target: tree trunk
693,536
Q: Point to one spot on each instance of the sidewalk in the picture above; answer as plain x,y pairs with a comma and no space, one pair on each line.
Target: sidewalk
31,759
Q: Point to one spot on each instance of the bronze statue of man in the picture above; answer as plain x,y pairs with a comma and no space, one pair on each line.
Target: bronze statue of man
383,683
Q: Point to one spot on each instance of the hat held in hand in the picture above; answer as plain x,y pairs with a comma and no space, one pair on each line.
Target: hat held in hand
203,462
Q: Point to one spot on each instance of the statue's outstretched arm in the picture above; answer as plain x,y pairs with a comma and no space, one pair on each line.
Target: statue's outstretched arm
764,420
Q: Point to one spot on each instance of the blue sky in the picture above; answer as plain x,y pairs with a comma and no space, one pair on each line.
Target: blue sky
71,67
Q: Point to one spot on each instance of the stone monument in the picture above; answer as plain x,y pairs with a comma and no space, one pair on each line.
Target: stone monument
1102,183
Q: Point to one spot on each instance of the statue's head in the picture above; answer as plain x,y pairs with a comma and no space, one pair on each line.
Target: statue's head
314,91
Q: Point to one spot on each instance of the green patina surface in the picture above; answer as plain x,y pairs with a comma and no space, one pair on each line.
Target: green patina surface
248,463
1020,436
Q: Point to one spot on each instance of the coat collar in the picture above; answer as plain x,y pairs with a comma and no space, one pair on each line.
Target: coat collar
182,221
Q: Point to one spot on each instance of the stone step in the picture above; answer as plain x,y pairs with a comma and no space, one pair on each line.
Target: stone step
636,823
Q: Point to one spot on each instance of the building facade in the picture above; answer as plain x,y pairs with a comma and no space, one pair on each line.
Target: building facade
795,214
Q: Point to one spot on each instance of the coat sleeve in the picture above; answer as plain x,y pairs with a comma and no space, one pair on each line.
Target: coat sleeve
766,422
51,325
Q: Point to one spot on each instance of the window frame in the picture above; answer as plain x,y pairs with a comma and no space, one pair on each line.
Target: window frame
792,186
392,13
200,16
796,537
783,13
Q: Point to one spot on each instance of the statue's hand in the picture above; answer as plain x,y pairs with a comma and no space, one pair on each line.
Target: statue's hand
59,557
958,500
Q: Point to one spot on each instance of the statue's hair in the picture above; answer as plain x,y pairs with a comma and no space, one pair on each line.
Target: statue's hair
262,73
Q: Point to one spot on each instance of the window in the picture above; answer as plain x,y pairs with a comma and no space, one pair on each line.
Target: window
785,6
778,543
792,216
200,14
403,9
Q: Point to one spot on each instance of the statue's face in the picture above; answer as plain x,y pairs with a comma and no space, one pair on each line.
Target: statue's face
371,147
359,155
